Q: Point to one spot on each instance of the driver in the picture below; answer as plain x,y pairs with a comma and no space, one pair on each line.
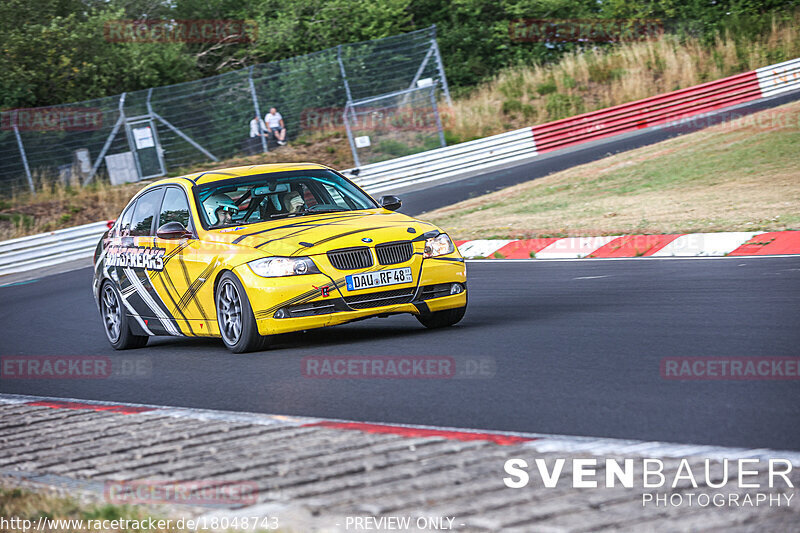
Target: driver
293,202
220,210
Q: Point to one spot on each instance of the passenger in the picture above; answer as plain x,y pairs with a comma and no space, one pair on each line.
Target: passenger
293,202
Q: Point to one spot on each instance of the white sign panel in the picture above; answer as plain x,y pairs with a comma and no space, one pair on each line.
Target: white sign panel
362,142
143,137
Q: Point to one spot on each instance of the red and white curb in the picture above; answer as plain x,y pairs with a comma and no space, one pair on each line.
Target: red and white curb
539,442
724,244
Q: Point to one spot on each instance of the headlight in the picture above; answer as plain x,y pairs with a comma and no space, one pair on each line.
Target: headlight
439,245
274,267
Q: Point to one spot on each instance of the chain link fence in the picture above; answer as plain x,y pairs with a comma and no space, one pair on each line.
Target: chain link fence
393,125
154,131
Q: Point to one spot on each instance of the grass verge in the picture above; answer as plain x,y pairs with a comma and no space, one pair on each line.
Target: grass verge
24,504
737,176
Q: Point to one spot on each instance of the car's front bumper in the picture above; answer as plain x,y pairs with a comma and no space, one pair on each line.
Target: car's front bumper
297,303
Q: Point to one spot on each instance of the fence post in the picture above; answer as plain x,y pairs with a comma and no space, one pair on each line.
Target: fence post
440,66
22,154
442,142
350,136
344,74
161,163
264,147
109,140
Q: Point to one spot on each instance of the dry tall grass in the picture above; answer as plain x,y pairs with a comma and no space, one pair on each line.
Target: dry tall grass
599,78
59,205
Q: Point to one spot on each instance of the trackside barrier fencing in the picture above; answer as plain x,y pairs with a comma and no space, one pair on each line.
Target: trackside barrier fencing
446,162
28,253
524,143
47,249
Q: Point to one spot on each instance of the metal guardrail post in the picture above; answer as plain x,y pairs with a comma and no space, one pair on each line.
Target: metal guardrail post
109,140
440,67
22,155
264,147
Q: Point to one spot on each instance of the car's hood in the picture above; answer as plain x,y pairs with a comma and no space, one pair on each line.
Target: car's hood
316,234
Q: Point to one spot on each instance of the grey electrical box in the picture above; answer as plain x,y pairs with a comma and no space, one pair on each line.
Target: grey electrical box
121,168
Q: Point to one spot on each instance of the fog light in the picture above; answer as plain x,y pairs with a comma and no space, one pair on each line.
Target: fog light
281,313
456,288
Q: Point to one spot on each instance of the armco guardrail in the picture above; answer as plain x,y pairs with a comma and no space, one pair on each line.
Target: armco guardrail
521,144
47,249
445,162
669,107
29,253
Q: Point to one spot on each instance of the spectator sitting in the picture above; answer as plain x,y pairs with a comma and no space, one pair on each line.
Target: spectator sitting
276,126
257,129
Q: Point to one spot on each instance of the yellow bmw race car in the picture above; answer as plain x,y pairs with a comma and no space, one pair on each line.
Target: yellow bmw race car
250,252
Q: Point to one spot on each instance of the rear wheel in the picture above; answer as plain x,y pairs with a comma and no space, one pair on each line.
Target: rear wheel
115,321
237,325
442,319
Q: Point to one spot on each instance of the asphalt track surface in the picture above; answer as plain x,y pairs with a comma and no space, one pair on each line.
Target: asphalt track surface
575,348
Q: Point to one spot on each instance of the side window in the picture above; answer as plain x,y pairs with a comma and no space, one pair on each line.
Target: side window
125,221
146,208
175,208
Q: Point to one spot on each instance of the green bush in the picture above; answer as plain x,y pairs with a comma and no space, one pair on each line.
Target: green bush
561,105
511,106
547,87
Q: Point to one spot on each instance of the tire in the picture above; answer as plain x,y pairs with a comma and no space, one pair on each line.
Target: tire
442,319
237,325
116,322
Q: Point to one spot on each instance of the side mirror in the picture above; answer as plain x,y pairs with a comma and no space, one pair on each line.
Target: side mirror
172,231
392,203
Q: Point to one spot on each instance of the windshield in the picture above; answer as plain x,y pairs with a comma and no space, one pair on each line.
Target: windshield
252,199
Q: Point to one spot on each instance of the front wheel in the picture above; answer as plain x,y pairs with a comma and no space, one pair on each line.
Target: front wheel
115,320
237,325
442,319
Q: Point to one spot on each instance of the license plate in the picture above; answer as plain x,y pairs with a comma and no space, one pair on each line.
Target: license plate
369,280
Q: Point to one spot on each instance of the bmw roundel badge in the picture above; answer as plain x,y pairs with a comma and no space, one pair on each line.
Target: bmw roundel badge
366,239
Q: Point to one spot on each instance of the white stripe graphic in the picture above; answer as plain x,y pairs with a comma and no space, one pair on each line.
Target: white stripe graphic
148,299
137,317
